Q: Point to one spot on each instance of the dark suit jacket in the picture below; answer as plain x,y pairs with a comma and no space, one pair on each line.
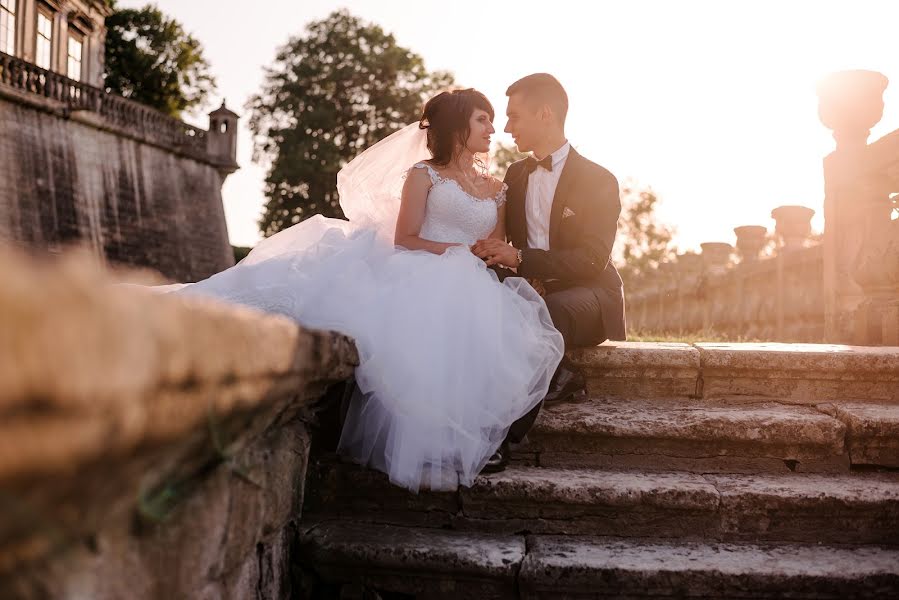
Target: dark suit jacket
580,239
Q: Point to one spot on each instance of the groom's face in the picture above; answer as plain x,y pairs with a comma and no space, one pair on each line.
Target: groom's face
524,122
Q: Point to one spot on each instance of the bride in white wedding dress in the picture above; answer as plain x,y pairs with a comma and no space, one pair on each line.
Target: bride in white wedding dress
450,357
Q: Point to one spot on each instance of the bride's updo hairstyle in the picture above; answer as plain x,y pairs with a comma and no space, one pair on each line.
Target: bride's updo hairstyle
446,117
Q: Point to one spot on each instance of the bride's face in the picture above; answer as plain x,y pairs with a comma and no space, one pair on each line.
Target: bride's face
480,129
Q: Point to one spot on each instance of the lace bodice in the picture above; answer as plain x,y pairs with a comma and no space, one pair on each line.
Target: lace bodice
452,215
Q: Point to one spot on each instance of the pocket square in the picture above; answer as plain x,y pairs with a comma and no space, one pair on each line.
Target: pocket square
567,213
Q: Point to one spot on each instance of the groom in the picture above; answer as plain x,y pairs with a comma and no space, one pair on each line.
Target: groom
561,219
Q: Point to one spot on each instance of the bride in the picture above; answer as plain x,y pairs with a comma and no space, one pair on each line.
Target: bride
450,356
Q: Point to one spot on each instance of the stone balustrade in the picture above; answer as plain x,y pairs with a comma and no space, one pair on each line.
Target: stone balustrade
737,293
115,112
843,290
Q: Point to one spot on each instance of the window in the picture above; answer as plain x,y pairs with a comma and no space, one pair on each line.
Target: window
44,41
74,62
8,26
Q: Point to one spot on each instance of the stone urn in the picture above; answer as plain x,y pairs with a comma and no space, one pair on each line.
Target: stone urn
850,103
794,225
751,240
716,256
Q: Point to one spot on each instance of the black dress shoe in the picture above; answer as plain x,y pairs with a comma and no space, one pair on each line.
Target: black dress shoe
498,461
567,385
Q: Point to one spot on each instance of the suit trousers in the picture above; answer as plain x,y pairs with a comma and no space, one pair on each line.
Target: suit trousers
577,315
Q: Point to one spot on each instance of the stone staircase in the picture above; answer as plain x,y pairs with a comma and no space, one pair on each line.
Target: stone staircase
747,470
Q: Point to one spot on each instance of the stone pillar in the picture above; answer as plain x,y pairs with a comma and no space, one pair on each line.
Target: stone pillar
667,297
751,239
794,226
688,266
750,242
850,103
715,260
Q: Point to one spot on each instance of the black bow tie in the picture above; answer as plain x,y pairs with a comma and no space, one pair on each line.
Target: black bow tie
533,163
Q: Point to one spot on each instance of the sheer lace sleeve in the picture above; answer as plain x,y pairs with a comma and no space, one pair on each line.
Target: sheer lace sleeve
431,171
500,197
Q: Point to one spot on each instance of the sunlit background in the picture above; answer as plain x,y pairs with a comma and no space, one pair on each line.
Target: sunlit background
710,103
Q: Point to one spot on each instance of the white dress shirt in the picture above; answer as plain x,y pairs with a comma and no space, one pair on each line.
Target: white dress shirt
539,200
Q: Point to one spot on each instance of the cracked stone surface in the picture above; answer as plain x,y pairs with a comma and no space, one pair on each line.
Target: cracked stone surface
811,508
757,435
639,369
872,432
565,567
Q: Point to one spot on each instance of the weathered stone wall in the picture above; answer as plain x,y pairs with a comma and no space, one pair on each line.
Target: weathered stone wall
66,180
151,446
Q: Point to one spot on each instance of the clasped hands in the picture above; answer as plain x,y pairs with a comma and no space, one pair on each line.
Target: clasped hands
496,252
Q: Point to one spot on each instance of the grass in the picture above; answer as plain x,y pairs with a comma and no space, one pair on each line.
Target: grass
688,337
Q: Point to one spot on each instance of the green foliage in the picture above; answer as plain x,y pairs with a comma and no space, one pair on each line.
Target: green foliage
642,241
152,60
339,88
503,156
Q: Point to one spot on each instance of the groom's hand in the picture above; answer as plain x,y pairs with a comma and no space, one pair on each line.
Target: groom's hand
496,252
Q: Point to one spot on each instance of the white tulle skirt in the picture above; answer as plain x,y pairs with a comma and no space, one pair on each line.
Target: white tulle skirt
450,357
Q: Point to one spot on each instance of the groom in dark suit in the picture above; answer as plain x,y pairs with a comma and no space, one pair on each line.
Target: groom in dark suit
561,218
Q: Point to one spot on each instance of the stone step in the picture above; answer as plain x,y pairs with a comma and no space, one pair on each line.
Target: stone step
799,373
666,434
568,568
433,563
853,508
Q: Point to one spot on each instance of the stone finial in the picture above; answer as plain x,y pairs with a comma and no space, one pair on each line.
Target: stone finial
750,241
715,255
850,103
793,225
688,263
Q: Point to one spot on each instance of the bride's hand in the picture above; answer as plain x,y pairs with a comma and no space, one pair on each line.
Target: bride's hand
496,252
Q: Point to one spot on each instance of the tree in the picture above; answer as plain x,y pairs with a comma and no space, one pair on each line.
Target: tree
642,243
503,156
339,88
152,60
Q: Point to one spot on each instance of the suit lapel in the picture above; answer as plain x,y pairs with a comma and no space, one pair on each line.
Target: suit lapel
562,191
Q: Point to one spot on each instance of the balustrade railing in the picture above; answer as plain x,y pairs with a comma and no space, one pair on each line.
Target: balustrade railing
137,119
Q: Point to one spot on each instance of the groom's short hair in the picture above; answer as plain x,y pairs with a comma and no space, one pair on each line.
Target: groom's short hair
543,88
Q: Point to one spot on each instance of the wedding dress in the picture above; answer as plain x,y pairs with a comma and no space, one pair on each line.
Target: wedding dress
450,357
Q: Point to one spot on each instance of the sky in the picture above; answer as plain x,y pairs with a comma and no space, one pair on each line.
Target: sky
711,103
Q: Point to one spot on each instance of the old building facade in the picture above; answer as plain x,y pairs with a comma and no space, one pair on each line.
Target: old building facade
81,166
63,36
